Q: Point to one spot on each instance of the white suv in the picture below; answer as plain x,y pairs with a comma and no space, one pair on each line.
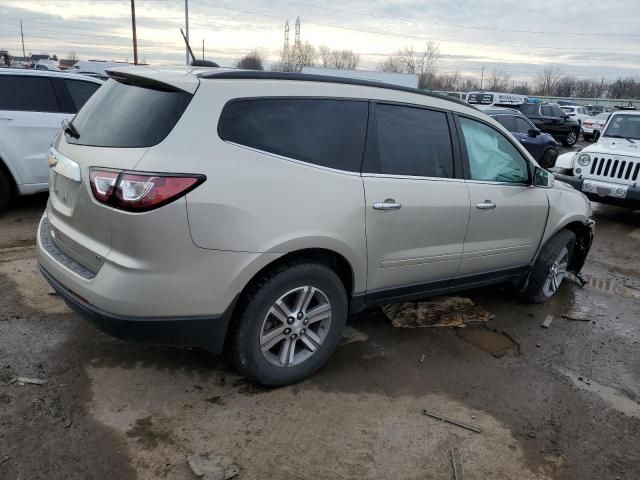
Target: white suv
608,171
251,211
33,105
577,113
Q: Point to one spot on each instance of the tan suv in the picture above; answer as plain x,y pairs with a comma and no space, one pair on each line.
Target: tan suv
252,211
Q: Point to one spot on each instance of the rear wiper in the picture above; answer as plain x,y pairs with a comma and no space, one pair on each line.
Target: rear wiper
70,129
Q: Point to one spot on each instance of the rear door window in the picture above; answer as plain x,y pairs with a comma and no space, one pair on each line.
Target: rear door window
326,132
547,111
128,115
412,141
80,92
28,94
506,121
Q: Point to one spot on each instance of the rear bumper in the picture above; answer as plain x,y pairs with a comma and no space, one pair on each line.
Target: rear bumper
207,332
632,199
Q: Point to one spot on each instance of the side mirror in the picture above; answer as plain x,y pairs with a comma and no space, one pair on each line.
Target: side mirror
596,135
534,132
542,178
567,117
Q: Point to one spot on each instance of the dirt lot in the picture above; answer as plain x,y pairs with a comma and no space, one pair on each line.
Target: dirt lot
561,403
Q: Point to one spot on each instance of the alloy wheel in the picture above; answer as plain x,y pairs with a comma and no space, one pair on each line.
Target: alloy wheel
295,326
556,274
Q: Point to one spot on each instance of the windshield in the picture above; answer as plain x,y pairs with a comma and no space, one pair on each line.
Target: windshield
602,116
624,126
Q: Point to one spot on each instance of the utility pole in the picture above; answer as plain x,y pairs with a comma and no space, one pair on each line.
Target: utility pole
203,48
135,37
22,35
186,28
481,78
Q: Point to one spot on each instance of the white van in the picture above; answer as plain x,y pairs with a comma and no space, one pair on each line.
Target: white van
496,99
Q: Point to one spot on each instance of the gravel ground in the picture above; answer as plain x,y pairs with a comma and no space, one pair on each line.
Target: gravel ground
556,403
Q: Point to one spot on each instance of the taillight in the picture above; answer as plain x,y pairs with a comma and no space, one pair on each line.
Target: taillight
140,191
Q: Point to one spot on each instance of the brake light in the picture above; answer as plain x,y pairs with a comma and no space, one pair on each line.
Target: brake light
140,191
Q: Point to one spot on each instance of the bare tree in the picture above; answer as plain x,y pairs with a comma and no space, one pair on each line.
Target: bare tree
547,80
304,56
254,60
408,60
520,88
392,63
627,87
73,56
340,59
566,86
498,81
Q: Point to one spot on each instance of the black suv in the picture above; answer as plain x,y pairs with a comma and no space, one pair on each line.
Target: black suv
550,118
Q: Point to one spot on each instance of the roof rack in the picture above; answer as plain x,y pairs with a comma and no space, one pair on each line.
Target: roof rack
308,77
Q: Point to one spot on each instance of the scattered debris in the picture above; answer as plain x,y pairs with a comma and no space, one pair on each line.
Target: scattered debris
576,317
456,463
216,468
498,344
547,321
51,291
31,381
422,358
5,459
450,311
451,421
577,278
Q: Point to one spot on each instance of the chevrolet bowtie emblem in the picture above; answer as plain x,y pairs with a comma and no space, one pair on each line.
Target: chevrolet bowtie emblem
52,160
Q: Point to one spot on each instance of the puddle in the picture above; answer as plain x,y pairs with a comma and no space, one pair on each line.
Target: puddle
615,398
450,311
496,343
610,285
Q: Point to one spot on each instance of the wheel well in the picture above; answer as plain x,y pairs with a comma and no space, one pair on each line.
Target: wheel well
583,243
336,262
4,169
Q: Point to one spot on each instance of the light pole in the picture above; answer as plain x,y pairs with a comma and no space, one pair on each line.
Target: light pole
133,27
186,28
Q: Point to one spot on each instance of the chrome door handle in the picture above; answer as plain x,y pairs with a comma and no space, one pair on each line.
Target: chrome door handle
486,205
388,204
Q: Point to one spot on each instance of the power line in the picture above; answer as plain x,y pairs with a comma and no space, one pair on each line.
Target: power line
453,25
416,37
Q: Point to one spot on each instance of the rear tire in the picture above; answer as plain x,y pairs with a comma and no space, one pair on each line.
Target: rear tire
549,158
5,191
279,316
550,268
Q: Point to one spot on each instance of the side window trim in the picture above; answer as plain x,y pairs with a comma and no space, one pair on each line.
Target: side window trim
53,88
465,154
371,164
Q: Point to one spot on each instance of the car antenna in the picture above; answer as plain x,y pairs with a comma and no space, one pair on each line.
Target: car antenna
194,61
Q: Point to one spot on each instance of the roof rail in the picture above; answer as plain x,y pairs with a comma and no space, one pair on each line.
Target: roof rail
308,77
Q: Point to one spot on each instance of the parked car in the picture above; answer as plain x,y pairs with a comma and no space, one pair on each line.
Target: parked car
608,171
251,211
541,146
33,104
551,119
596,109
592,127
577,113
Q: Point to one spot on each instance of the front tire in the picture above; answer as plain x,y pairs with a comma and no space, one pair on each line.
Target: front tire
549,159
571,139
550,268
5,191
292,323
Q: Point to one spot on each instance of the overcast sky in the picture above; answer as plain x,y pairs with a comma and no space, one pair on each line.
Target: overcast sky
521,38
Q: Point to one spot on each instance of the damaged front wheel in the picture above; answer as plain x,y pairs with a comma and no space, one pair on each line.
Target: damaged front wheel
550,268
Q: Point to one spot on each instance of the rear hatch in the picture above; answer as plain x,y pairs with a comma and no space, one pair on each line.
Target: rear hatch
126,117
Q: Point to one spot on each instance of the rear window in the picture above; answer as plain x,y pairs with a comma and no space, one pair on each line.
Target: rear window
326,132
80,91
128,116
27,94
506,121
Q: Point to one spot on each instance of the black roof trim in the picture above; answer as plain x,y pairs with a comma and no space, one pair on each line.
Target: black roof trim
142,81
308,77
